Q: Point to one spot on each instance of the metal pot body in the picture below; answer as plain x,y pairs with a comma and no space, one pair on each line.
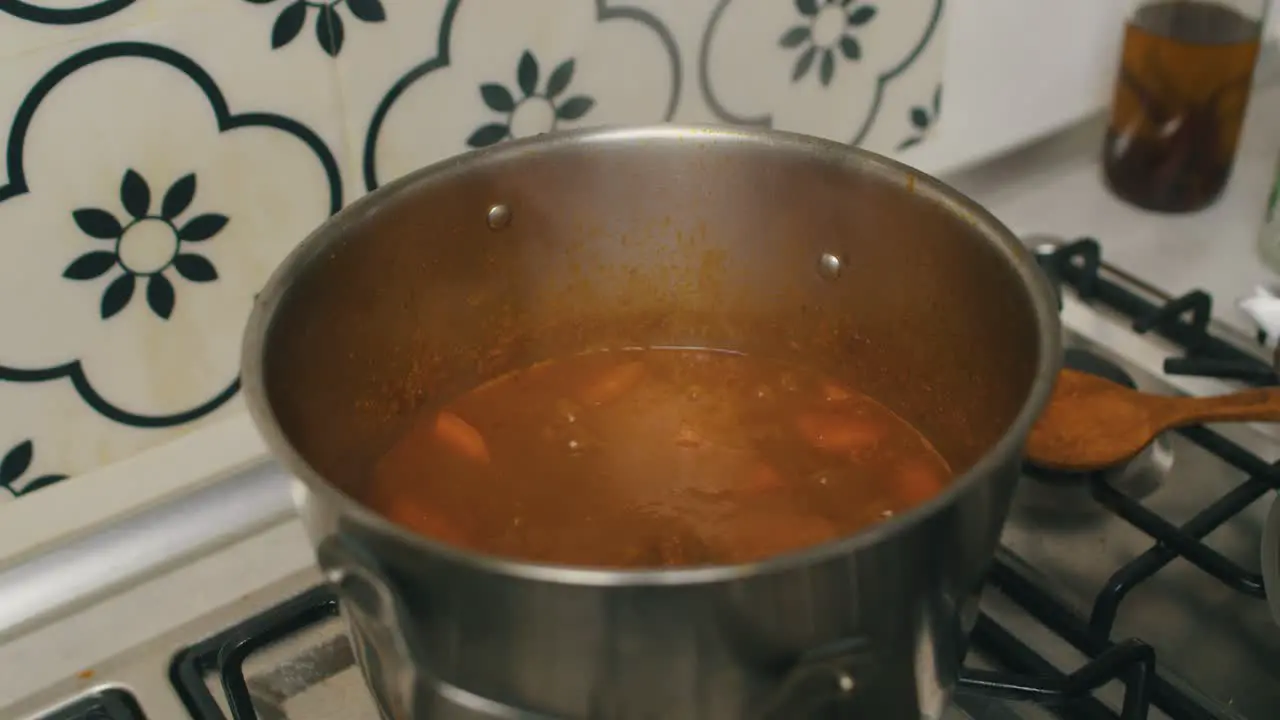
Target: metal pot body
759,241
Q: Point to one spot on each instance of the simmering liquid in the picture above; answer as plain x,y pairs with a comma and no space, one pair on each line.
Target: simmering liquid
653,458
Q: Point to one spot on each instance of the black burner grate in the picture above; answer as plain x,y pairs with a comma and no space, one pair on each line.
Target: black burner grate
105,704
1183,320
1026,676
226,652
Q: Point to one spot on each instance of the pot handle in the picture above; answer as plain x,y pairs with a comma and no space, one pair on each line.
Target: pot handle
822,678
369,603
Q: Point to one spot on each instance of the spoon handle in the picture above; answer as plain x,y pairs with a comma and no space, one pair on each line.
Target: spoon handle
1260,405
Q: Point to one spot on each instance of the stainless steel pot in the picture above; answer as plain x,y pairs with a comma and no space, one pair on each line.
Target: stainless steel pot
762,241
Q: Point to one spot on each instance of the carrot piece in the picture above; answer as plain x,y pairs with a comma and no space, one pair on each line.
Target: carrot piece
837,433
917,481
461,437
613,383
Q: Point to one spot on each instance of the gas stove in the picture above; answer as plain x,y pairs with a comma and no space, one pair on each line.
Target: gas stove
1130,594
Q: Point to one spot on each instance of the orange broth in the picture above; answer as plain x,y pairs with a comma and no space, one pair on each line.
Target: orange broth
653,458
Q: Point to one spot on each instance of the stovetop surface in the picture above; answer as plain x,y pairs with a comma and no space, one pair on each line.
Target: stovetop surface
1074,576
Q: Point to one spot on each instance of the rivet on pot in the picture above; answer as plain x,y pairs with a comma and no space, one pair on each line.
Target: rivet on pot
829,266
499,217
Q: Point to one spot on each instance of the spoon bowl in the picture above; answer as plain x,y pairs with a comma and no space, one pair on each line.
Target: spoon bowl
1092,423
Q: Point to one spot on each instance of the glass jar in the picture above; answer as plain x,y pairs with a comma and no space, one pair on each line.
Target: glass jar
1180,98
1269,235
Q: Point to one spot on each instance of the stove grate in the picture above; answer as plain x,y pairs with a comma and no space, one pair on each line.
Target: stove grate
1185,321
1038,681
225,653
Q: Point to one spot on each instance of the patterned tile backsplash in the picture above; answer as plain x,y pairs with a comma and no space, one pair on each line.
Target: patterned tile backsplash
161,156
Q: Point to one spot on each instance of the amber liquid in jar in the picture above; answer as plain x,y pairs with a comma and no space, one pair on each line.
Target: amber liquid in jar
1180,100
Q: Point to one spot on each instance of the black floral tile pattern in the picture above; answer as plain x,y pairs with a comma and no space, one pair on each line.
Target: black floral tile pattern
582,83
851,50
923,118
146,246
14,477
135,244
330,28
821,36
534,111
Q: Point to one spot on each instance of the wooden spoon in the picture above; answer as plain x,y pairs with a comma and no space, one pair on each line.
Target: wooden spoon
1092,423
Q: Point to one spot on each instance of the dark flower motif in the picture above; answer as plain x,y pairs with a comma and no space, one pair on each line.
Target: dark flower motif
15,464
330,30
826,28
147,245
923,118
535,112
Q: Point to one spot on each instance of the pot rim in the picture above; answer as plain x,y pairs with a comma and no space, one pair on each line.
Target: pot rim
336,230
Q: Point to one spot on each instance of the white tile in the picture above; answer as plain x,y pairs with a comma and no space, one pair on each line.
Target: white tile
733,48
115,125
413,89
65,438
847,70
911,105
